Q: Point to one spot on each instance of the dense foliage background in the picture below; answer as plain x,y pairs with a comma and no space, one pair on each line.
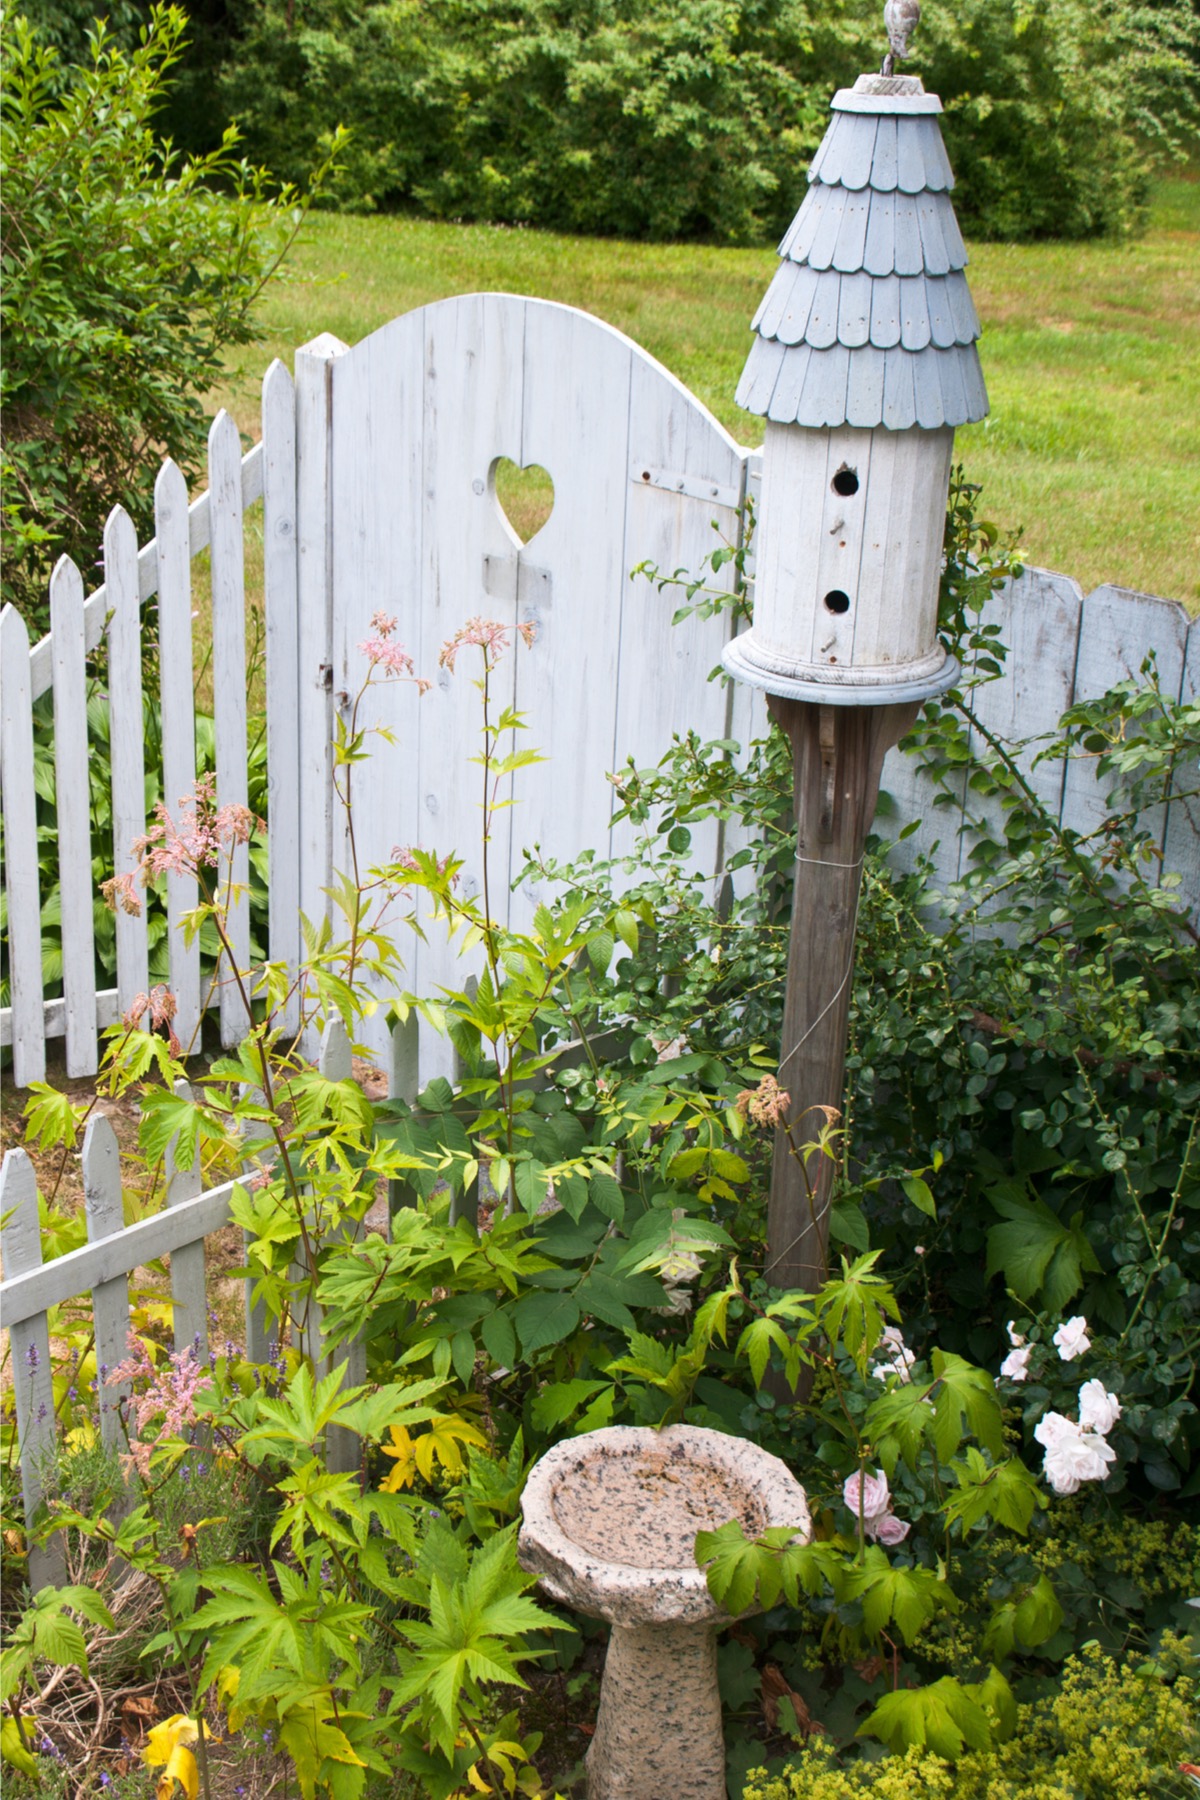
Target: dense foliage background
683,118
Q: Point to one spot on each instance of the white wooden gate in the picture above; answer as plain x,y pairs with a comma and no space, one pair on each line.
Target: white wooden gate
419,415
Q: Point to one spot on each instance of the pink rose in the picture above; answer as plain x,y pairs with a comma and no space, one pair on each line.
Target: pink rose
1015,1366
867,1496
889,1529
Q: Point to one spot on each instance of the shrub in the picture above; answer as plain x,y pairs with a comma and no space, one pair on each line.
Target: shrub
683,118
1109,1733
127,276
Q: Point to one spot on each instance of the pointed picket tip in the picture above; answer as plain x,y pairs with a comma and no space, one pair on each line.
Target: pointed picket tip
100,1150
65,578
13,631
335,1060
169,485
278,376
222,429
119,525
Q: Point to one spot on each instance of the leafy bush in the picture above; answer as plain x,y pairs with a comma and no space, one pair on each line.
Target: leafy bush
127,275
1110,1733
678,118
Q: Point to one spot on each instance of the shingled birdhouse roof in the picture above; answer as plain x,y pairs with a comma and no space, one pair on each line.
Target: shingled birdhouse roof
869,320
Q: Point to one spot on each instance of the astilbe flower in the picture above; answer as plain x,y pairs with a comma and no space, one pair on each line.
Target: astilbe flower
162,1007
169,1395
392,659
766,1105
198,840
490,635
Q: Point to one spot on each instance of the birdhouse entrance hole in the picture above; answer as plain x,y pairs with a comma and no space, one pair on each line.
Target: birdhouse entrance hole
525,496
837,602
844,482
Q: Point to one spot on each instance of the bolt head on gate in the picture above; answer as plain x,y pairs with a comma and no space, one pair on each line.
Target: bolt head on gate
863,363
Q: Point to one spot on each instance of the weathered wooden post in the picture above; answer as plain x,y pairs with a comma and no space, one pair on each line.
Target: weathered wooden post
863,363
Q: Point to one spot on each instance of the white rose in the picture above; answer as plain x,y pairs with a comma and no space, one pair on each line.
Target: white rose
1014,1336
1072,1339
1016,1365
1098,1409
1053,1428
1076,1457
901,1359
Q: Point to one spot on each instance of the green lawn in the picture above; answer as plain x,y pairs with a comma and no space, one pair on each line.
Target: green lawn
1091,351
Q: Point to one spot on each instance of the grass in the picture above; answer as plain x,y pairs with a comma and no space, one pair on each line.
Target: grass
1091,351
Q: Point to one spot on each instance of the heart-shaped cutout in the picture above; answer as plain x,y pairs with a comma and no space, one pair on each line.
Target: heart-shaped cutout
525,496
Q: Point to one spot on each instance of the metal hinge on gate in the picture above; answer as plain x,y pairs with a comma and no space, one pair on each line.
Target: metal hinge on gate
646,475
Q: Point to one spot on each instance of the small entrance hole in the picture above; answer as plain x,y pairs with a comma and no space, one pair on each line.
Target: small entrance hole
836,601
845,482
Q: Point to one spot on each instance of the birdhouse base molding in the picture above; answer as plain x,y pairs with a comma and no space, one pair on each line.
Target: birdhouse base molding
883,684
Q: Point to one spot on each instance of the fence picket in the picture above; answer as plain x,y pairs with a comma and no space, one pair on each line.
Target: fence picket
126,726
282,633
404,1083
189,1293
178,700
229,688
1181,842
314,680
1120,630
110,1299
29,1347
259,1337
21,852
72,803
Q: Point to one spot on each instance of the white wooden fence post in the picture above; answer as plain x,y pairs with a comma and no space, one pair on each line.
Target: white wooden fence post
282,633
404,1083
29,1347
21,851
258,1320
189,1294
72,803
229,690
178,700
110,1298
314,377
126,725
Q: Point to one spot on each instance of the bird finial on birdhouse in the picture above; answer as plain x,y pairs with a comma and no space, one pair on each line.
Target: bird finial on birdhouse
901,18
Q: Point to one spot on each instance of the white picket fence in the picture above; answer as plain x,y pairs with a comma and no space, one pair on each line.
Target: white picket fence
101,1269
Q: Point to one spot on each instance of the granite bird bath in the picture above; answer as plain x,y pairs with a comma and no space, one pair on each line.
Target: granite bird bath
610,1522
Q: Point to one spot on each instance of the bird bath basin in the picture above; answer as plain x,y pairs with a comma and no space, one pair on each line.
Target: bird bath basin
610,1523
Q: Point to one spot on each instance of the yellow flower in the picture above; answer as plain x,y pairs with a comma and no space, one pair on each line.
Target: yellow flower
167,1748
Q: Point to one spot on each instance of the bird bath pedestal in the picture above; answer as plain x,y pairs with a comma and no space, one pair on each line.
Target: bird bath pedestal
610,1522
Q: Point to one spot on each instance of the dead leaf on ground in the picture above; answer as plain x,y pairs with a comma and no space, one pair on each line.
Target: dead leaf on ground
776,1687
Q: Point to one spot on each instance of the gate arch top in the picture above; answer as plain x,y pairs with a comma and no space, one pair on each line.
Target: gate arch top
420,412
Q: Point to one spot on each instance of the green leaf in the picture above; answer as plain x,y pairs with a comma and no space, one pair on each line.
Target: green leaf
542,1319
919,1193
1037,1253
499,1339
943,1718
965,1401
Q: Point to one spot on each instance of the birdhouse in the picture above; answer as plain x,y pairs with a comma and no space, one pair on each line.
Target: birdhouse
863,363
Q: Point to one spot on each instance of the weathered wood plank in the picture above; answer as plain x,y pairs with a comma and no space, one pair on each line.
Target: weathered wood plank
24,1295
1181,844
110,1297
96,610
72,802
229,698
54,1016
21,852
315,676
282,634
178,725
1119,632
126,739
189,1294
29,1346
